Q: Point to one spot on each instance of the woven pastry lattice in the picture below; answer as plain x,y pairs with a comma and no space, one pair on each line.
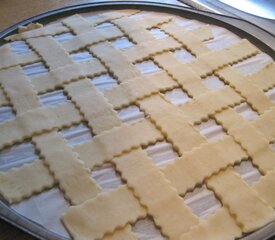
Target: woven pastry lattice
148,189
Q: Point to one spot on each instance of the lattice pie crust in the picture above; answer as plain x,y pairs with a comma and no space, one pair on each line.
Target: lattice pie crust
149,190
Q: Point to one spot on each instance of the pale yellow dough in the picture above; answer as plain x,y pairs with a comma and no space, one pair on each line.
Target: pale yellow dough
128,136
189,40
8,59
213,60
19,90
250,210
67,169
114,61
257,99
263,188
266,124
78,24
99,112
148,182
252,140
120,204
209,103
148,189
138,88
39,32
136,29
18,183
172,122
52,53
265,78
121,234
3,98
216,227
91,37
149,48
222,153
66,74
37,121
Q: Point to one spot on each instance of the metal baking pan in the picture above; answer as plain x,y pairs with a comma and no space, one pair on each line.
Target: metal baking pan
258,36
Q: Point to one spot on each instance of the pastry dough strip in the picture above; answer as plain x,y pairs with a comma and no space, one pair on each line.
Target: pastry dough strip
55,29
68,170
69,73
252,140
92,37
265,78
266,124
10,59
18,183
19,90
187,38
49,30
99,113
51,51
77,24
199,67
148,49
107,212
23,98
37,121
102,148
146,22
206,63
64,165
101,17
44,180
211,228
57,154
30,27
55,58
3,99
193,167
172,122
61,161
116,62
202,33
241,200
188,79
254,96
127,234
264,188
156,193
209,103
121,234
138,88
136,30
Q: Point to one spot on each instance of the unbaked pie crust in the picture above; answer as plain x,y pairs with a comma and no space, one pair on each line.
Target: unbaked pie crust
149,190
